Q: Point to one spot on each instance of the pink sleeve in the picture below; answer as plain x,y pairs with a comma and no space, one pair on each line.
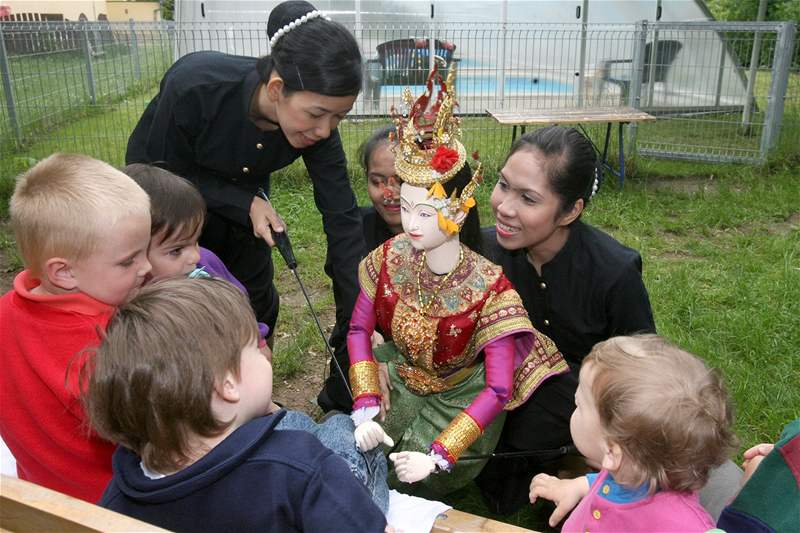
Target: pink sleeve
499,364
362,325
359,341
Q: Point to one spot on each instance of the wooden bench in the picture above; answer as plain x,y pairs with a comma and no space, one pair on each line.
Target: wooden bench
579,116
454,521
26,507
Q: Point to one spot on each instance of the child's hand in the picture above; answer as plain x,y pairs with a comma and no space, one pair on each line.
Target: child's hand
412,466
370,434
753,458
566,493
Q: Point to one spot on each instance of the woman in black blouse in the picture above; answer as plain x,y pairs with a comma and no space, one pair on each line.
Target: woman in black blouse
227,122
578,284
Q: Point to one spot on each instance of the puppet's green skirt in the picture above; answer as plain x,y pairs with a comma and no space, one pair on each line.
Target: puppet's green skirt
414,422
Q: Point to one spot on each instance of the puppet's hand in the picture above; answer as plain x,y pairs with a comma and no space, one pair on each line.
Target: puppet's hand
412,466
370,434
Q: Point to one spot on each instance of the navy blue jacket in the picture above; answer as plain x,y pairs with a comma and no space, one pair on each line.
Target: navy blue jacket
256,479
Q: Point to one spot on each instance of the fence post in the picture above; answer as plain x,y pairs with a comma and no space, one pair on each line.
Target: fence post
721,71
582,61
637,73
137,65
87,54
777,90
5,72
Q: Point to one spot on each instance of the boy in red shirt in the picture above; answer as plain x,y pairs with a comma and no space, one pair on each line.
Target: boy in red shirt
82,229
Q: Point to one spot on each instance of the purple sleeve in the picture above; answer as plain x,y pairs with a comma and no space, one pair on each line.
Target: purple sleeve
217,269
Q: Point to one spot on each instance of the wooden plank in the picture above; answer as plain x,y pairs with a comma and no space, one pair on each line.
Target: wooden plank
25,506
454,521
581,115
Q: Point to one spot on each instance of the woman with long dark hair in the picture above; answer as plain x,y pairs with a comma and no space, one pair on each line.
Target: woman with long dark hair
227,122
578,284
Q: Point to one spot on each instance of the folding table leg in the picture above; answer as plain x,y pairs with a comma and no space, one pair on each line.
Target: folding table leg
621,156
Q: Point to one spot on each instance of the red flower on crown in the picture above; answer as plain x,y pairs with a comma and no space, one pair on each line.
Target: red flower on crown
443,159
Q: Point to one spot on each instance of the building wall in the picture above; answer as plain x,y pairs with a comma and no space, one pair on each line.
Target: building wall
141,11
70,9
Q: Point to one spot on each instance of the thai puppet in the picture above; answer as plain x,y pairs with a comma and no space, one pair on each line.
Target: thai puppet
460,348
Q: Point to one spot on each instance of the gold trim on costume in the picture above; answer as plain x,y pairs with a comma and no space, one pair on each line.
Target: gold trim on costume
420,382
364,379
543,361
369,270
414,334
503,312
459,434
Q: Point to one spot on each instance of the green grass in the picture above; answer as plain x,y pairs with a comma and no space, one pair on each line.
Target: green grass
53,89
720,243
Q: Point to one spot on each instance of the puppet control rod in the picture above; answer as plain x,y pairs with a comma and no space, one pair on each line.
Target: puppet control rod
285,248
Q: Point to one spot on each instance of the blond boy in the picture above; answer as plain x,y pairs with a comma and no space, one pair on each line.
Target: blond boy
82,229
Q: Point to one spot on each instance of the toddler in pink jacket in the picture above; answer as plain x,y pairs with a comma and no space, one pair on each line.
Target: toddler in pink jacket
656,420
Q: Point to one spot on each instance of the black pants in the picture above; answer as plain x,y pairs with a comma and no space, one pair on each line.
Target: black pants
541,423
248,258
335,394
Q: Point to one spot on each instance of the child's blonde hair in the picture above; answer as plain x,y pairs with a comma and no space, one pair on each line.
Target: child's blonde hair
65,203
669,413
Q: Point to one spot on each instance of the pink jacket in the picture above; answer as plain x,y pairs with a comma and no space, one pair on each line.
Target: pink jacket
661,512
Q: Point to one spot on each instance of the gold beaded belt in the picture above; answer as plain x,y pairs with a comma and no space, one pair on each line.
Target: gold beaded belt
423,383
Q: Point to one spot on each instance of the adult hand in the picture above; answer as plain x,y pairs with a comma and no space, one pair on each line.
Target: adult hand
412,466
369,434
386,387
566,493
263,216
376,339
753,458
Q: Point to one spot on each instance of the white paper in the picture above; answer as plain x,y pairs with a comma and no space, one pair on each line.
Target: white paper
410,514
8,465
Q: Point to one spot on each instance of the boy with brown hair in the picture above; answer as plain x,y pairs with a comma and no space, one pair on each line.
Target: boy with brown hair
656,419
177,215
179,382
82,229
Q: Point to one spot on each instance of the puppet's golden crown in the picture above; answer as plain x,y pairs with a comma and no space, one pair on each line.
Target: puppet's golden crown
428,152
428,149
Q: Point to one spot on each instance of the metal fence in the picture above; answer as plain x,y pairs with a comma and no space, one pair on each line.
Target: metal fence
721,91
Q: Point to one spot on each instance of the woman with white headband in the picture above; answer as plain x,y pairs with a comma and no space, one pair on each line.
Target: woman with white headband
227,122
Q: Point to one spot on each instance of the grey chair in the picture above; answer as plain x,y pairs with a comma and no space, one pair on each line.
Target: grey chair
666,52
403,62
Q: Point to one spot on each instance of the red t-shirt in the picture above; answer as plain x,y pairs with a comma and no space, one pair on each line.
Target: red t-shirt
41,417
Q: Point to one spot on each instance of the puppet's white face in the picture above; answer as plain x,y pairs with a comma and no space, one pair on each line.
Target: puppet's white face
420,218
